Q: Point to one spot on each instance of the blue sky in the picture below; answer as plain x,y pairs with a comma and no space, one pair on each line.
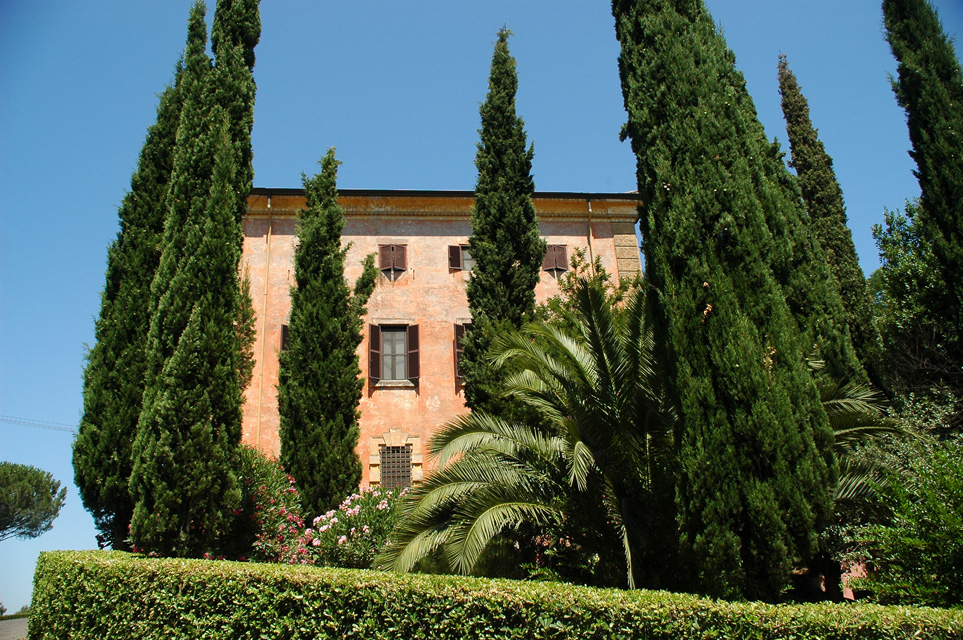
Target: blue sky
395,86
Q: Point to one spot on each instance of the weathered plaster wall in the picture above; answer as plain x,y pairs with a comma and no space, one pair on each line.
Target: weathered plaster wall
428,294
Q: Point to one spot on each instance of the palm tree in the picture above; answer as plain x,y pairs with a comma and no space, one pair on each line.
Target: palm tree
601,432
858,417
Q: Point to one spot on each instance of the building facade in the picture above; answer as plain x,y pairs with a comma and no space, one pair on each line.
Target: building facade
418,310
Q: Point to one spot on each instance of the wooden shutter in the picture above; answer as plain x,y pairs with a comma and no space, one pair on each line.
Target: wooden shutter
401,256
561,257
459,334
384,256
548,262
374,353
454,257
414,364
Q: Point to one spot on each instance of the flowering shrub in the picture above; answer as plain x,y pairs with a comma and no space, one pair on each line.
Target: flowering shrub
270,515
353,534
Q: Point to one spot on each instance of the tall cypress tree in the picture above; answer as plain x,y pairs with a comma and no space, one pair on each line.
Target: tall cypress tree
234,35
756,468
505,241
827,214
116,365
183,479
320,379
929,87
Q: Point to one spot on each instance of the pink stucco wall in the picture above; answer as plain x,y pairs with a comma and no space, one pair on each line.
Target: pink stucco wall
428,294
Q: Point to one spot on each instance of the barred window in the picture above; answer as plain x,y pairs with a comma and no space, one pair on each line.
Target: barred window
395,466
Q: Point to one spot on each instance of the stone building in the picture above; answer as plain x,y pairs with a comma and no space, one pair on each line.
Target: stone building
418,308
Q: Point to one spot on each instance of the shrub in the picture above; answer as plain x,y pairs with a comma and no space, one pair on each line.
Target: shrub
269,526
108,595
918,556
353,534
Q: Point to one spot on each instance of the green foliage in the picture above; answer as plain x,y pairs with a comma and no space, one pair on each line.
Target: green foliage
184,479
505,241
114,376
352,535
917,556
858,417
725,246
600,446
268,526
320,379
827,214
30,500
116,596
921,344
929,87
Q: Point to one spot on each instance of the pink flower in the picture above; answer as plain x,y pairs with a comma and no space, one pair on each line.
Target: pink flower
342,539
316,542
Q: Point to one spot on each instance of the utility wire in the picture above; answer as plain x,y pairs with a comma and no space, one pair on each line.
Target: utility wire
37,424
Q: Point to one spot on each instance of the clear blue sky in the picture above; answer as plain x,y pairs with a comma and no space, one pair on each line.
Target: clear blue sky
395,86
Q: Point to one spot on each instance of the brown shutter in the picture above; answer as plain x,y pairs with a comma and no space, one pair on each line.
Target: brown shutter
401,257
561,257
454,257
459,334
374,353
284,337
548,262
384,256
414,364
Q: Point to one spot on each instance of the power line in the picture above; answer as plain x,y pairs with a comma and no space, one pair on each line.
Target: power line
38,424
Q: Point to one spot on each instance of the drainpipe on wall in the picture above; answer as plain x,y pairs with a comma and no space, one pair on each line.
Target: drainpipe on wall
591,252
267,281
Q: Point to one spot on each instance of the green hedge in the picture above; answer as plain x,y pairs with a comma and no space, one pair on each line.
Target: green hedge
95,594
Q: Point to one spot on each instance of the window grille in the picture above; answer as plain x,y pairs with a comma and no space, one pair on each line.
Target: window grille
395,466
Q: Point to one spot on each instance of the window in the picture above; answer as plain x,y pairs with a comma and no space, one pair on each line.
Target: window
395,466
556,259
460,331
393,353
284,337
392,260
459,259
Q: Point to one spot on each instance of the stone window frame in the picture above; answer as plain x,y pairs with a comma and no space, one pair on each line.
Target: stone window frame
395,438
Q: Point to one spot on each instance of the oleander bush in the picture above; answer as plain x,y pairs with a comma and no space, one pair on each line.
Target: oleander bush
107,595
270,512
351,535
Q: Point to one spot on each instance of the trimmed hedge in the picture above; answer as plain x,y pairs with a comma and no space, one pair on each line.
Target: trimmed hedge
100,594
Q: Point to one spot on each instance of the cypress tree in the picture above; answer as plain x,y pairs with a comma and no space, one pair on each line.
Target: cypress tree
929,87
320,379
827,213
756,469
234,35
116,365
183,481
505,241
